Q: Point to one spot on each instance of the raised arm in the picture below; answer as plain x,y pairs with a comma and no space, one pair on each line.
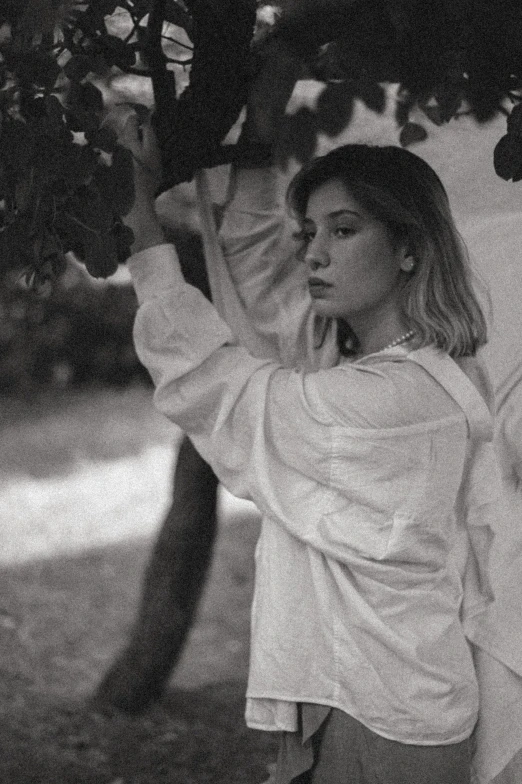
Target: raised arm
250,418
252,265
258,284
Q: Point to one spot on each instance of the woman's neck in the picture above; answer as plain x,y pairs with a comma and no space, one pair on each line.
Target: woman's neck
375,335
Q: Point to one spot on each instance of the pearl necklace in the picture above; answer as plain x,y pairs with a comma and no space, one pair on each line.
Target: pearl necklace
397,342
403,339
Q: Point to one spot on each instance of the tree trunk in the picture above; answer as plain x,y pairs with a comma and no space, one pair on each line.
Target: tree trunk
173,583
175,575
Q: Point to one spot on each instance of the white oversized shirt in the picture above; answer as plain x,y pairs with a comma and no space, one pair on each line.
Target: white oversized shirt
368,475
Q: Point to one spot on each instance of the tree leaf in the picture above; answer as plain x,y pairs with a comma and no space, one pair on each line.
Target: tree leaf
123,237
117,52
40,16
67,230
412,133
54,110
404,105
507,157
17,144
116,182
433,112
108,7
78,67
100,256
373,95
298,138
514,121
335,108
89,97
84,107
10,247
175,14
450,102
444,106
23,190
37,69
75,165
86,228
103,139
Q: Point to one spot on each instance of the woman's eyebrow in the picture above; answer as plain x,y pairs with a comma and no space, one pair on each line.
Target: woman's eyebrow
340,213
335,214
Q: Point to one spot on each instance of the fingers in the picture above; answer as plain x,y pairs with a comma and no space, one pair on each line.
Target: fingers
140,140
150,142
117,116
123,120
129,136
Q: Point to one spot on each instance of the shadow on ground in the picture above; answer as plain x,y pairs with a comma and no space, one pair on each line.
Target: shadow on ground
191,738
61,623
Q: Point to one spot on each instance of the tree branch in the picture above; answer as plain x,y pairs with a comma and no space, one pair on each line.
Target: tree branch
179,43
163,82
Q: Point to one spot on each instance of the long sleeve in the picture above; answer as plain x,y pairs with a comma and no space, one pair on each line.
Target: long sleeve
209,385
233,405
257,282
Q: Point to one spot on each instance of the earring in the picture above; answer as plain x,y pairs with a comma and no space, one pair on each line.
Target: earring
408,264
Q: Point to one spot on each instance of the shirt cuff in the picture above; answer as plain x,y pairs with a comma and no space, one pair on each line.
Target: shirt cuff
155,269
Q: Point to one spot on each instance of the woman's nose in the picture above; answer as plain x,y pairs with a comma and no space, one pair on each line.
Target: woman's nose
316,255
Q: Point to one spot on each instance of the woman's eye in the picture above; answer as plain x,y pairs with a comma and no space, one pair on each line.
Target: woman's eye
344,231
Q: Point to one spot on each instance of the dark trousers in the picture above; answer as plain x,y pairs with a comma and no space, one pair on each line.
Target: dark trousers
347,752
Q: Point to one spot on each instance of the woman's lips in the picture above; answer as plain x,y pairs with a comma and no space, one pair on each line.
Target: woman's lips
317,286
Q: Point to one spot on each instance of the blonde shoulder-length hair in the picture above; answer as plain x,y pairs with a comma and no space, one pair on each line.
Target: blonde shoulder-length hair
401,190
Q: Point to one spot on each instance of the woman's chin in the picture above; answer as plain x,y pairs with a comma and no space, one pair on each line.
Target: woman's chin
322,307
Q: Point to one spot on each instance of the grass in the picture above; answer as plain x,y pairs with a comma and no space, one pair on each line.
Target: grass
63,619
62,622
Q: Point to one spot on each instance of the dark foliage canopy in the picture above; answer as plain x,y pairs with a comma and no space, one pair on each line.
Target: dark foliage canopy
65,181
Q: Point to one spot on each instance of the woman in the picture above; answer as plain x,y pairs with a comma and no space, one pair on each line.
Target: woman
371,462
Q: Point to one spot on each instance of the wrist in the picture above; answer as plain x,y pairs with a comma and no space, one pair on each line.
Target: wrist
145,226
146,237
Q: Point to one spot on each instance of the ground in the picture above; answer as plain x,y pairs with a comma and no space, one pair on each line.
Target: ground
63,618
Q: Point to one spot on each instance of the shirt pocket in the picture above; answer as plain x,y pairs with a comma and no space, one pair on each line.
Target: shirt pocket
378,511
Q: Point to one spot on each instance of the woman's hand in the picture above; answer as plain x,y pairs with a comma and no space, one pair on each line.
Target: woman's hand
141,141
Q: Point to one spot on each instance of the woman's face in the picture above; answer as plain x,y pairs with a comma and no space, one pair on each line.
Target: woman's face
354,267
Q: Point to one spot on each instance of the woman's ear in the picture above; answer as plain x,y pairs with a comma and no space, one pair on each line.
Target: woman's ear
407,263
404,249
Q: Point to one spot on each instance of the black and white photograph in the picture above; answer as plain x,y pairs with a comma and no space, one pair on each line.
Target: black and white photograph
260,392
